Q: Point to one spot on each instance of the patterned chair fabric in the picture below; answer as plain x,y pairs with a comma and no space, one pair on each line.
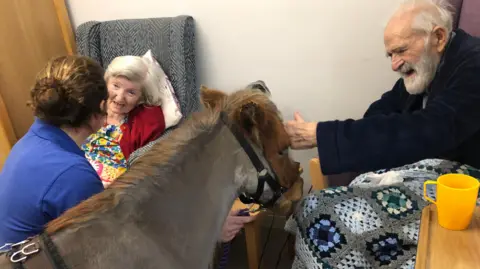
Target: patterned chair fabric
172,41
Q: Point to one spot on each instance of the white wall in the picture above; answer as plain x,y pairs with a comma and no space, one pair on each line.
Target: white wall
324,58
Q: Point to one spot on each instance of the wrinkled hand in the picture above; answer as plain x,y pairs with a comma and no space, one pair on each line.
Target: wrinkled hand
303,135
233,224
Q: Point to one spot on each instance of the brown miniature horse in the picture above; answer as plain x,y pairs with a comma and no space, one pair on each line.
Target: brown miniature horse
167,210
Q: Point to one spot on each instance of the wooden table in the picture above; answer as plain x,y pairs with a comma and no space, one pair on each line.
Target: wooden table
441,248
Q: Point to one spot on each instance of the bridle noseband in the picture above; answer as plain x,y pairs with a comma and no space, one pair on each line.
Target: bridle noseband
263,174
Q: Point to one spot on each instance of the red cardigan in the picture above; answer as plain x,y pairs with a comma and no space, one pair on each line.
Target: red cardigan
144,124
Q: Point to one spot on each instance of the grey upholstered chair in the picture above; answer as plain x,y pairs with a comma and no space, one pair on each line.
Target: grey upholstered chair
172,41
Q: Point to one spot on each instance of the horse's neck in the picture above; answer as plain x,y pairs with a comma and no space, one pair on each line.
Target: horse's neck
192,209
181,220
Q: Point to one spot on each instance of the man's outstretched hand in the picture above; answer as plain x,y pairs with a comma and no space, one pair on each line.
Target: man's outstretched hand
303,135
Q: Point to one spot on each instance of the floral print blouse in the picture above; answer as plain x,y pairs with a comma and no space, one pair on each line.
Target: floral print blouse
102,150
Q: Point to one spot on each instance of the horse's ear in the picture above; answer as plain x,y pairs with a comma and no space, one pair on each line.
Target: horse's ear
210,98
250,116
259,85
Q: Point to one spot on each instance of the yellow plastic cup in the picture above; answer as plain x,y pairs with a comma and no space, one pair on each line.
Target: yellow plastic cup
456,200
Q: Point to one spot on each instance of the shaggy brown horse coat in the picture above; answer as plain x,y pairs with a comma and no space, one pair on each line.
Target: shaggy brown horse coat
167,210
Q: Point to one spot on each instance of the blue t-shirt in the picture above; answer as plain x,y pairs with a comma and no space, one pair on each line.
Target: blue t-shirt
45,174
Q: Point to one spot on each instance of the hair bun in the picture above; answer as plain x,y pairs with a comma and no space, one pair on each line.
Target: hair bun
68,90
51,99
46,92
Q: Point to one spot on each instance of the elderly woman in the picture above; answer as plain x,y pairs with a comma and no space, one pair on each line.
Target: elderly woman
134,119
46,172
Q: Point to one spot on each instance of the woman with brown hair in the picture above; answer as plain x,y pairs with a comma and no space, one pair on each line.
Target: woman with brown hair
46,172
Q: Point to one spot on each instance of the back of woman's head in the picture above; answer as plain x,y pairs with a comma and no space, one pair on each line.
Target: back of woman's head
68,91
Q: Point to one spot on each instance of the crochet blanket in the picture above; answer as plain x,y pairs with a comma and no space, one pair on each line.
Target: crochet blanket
370,223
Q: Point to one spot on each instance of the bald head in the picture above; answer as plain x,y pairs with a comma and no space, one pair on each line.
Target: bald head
415,38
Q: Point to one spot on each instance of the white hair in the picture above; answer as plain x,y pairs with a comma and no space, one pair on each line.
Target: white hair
431,13
136,70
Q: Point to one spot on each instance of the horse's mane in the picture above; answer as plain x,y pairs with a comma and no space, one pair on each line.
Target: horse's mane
162,154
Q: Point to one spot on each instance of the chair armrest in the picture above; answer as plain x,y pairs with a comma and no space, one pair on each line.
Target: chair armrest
319,180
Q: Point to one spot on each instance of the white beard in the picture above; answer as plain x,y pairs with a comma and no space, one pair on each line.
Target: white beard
424,72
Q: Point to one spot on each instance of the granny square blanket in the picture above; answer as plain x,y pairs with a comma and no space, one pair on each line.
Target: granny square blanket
367,225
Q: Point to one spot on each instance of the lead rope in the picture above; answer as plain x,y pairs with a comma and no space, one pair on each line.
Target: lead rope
226,246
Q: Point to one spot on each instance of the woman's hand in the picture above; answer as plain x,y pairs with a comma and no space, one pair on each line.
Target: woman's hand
303,135
233,224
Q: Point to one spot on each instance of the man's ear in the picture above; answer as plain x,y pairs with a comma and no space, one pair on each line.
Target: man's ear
211,98
440,41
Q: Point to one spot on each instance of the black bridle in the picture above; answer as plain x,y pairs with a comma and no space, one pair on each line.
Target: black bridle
263,174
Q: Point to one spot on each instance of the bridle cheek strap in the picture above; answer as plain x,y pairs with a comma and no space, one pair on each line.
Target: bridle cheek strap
263,175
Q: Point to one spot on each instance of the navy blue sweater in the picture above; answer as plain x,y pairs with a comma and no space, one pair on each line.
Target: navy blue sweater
396,130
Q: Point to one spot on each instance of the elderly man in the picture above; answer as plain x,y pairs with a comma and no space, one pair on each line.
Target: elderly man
432,111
